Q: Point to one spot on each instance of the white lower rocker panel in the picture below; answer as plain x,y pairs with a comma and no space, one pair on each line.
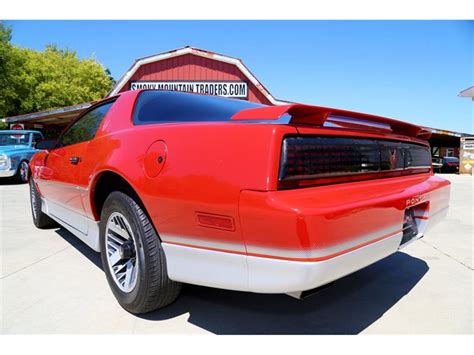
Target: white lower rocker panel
82,227
265,275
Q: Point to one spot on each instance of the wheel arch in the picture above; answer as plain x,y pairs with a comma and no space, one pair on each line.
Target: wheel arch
105,183
21,160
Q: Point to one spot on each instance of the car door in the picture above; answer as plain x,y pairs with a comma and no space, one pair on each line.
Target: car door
61,183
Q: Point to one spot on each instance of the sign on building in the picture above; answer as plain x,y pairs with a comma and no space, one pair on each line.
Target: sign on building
233,89
466,155
19,126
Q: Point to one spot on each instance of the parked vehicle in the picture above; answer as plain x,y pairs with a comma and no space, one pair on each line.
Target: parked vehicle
450,165
437,164
176,188
16,149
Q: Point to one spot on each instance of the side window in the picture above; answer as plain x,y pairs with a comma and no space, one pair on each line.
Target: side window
86,128
36,138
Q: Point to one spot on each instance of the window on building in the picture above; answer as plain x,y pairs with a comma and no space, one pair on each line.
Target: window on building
450,152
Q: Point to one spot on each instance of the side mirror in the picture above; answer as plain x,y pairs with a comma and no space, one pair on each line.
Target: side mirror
45,144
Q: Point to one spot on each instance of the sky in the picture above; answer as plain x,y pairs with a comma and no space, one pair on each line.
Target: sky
408,70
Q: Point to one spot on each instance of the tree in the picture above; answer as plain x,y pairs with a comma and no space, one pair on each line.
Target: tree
9,68
33,81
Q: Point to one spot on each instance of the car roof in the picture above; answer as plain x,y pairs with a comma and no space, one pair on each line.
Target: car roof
20,131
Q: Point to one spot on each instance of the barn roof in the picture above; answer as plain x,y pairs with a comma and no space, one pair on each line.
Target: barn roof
198,52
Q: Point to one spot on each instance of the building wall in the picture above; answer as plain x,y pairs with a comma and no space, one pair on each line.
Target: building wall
443,152
193,67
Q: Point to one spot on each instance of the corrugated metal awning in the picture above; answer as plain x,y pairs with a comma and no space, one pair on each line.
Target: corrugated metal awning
469,92
60,116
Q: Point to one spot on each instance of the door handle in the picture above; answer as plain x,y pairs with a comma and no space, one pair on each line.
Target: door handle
74,160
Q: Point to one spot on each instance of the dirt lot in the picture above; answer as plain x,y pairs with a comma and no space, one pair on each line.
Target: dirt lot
52,283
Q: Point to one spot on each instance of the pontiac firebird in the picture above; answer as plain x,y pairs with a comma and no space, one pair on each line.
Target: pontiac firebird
176,188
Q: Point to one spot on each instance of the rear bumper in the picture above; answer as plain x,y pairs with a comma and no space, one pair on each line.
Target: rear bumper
282,276
267,275
240,272
316,224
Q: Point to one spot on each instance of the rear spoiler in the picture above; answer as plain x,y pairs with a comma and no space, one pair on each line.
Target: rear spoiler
317,116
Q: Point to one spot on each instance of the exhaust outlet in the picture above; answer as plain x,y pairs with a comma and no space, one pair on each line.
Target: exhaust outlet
304,294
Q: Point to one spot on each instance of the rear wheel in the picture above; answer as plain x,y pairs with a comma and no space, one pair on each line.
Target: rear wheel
40,219
132,257
22,172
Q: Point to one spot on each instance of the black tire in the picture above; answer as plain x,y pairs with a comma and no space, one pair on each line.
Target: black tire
22,172
153,289
40,219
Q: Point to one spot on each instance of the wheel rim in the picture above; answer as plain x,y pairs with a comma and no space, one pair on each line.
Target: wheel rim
24,171
121,252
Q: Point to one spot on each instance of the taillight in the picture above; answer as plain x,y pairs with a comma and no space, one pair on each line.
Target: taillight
320,160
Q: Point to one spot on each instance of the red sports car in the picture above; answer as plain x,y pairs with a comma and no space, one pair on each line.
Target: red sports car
176,188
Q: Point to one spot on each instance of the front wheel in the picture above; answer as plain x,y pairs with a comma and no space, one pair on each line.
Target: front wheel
40,219
132,257
22,172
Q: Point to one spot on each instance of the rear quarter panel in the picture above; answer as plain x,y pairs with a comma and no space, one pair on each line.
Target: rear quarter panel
205,168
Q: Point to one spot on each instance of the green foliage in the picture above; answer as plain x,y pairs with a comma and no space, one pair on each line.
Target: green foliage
33,81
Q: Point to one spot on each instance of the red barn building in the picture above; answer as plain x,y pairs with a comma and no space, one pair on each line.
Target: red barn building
195,70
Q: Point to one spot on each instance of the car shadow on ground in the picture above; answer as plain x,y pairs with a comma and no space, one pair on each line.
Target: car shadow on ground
10,181
350,306
80,246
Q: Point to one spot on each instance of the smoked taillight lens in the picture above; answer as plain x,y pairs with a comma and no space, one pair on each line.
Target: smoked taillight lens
319,160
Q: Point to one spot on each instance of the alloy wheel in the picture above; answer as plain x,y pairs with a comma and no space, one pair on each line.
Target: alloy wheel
121,252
